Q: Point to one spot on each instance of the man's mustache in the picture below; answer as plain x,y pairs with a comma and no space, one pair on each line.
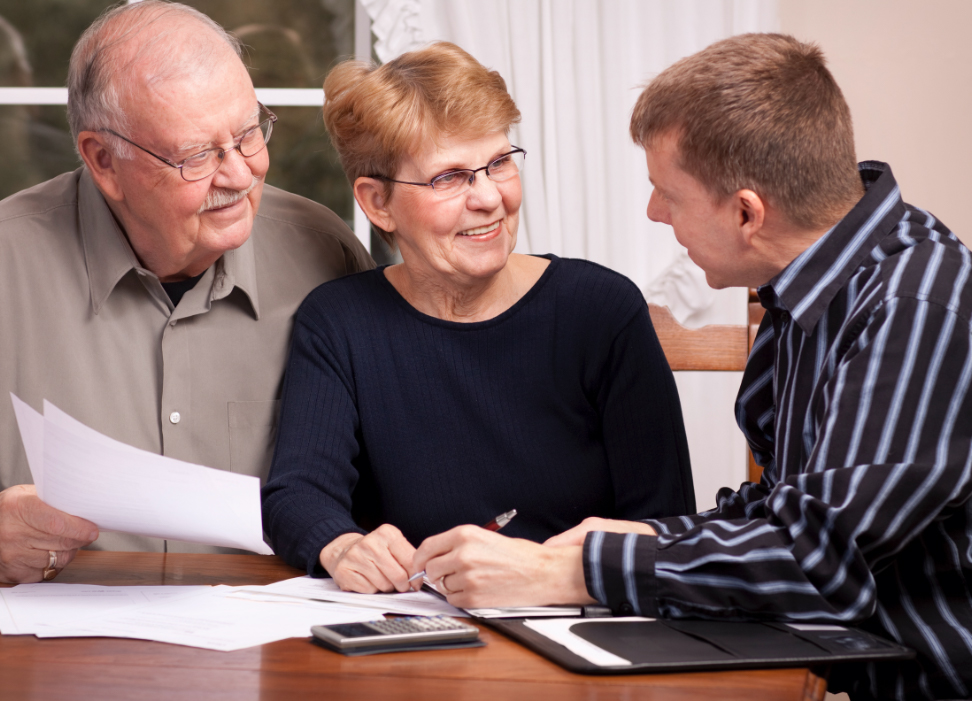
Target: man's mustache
223,197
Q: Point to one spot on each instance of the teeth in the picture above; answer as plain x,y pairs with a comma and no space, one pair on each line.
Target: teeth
480,230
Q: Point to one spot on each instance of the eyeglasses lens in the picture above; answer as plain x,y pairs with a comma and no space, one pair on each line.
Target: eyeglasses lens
204,164
503,168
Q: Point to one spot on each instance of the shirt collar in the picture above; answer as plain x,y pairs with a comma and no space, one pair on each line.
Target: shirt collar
109,256
807,286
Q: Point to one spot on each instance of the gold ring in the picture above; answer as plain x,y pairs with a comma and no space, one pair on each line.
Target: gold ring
50,572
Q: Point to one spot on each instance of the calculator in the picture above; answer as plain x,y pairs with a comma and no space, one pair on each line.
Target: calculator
408,631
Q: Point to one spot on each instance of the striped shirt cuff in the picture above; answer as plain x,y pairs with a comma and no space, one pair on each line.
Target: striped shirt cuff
619,570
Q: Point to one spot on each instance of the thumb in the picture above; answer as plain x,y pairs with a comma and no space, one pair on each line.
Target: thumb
73,530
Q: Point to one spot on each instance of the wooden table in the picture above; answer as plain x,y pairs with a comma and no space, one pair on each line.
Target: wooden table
106,668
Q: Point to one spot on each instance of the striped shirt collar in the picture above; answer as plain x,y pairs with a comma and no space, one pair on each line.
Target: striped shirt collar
807,286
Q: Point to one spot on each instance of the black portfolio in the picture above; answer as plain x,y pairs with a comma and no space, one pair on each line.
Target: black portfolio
691,646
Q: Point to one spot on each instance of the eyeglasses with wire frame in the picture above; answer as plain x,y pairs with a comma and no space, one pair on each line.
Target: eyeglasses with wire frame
205,163
455,182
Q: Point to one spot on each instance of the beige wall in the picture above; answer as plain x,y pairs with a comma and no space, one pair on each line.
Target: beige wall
905,67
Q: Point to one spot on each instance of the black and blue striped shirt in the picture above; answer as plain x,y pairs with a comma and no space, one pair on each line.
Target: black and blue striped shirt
856,402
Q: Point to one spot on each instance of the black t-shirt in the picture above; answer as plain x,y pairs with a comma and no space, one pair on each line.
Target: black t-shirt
177,289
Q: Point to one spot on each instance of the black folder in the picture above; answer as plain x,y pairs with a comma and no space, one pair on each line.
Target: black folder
695,646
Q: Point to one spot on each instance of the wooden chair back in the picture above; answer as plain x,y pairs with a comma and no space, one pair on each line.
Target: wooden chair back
716,347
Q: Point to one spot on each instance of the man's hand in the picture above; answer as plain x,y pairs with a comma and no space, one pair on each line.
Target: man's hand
576,535
476,568
30,529
369,563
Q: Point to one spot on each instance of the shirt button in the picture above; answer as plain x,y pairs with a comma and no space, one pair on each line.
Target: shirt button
172,323
175,417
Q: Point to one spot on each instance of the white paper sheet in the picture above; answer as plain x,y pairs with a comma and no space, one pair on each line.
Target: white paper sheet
121,488
558,630
526,612
7,625
418,603
815,627
216,621
31,425
33,608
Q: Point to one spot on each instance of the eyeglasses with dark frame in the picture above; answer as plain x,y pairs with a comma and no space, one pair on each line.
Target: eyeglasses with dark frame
205,163
456,182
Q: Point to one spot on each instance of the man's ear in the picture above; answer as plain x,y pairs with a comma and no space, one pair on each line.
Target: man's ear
750,214
370,194
101,163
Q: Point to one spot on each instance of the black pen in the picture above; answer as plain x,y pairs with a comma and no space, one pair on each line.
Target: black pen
493,525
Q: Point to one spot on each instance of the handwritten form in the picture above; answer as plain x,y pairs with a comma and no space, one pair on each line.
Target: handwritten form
121,488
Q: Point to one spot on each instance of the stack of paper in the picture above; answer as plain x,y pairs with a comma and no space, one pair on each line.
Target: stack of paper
216,618
121,488
205,617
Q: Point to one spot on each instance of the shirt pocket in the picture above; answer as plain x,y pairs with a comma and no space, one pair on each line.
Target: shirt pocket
252,435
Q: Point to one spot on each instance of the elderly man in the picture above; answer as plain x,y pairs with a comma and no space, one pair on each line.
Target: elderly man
855,399
144,293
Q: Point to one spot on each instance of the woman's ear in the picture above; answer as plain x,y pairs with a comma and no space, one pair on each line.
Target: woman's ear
370,195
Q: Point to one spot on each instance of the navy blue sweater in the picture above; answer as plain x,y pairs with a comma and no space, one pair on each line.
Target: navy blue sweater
562,407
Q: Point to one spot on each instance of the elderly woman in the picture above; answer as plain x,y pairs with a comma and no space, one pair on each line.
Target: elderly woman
467,380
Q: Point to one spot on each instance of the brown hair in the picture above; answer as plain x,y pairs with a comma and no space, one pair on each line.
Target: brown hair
762,112
376,116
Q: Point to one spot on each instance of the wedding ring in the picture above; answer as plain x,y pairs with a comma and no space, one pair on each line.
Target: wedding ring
442,584
50,572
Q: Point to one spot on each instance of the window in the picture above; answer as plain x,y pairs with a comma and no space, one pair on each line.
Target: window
289,47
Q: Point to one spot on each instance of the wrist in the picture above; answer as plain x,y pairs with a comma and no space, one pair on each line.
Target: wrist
332,553
567,581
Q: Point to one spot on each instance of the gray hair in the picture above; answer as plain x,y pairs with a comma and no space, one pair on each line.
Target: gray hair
98,75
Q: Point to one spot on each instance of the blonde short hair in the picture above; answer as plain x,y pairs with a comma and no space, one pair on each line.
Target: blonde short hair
376,115
760,112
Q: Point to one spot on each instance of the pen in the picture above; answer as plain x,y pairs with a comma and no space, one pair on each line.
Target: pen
493,525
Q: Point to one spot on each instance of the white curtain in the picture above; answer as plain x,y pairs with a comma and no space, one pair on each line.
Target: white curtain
575,69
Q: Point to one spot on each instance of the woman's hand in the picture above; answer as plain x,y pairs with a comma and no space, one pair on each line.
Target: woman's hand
576,535
369,563
476,568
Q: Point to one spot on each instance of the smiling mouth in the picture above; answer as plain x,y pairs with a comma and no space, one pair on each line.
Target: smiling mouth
480,230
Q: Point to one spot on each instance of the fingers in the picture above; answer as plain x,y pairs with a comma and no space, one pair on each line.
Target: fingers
440,550
54,529
30,529
478,568
375,562
437,546
576,535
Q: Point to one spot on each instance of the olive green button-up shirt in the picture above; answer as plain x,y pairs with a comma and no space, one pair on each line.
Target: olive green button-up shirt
83,325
